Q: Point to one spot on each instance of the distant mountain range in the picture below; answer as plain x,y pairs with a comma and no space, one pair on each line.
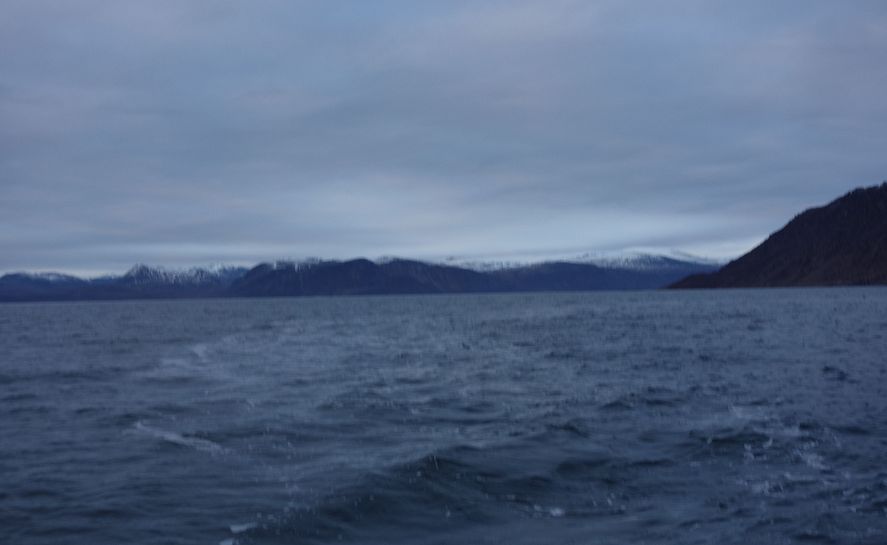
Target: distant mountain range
843,243
352,277
140,282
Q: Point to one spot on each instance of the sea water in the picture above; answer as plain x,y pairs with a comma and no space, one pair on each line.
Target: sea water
747,416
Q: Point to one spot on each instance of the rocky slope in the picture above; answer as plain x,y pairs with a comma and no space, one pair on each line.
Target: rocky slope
840,244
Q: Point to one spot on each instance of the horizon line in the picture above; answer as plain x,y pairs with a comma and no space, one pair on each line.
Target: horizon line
466,262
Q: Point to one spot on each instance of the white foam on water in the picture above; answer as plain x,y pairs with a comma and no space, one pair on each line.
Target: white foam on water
812,459
171,368
763,488
229,541
734,415
240,528
200,350
198,361
179,439
174,362
749,414
791,431
792,478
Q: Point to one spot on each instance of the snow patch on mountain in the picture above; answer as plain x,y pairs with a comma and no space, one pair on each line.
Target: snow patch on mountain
641,261
142,274
49,276
623,260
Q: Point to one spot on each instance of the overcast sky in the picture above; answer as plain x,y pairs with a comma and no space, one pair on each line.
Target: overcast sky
186,132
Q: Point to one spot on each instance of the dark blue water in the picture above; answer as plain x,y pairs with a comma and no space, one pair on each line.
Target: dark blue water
673,417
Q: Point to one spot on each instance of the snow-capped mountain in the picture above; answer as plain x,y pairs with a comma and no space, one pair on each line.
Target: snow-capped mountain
141,274
640,261
51,277
140,282
622,260
360,276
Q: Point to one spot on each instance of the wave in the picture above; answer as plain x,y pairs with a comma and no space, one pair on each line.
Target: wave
189,441
650,397
458,487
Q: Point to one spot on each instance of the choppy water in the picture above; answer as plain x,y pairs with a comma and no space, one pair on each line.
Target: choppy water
667,417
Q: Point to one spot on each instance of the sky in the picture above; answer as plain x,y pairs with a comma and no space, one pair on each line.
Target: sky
183,132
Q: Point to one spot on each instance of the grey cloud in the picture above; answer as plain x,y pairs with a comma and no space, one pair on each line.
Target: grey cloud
247,131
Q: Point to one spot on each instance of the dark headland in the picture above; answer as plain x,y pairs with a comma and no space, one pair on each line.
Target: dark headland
843,243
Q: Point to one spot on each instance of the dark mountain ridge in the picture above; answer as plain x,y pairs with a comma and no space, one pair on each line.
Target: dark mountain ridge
402,276
843,243
352,277
358,277
140,282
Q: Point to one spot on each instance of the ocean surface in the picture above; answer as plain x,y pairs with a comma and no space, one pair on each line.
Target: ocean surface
747,416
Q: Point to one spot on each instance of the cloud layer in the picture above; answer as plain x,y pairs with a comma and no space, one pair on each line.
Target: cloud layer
182,132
